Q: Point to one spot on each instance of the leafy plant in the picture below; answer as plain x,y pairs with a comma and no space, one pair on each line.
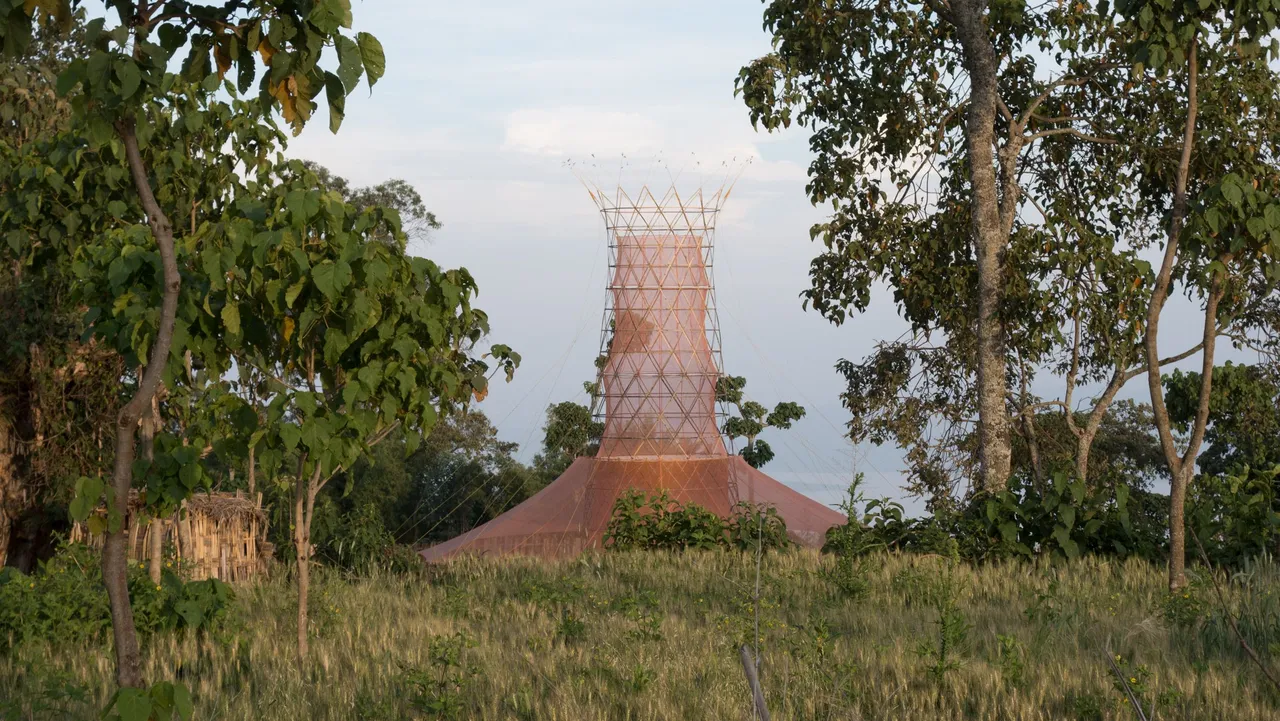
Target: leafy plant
438,691
1011,658
752,419
657,522
571,627
65,601
944,654
163,701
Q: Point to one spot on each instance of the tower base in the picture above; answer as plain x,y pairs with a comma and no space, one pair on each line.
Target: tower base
570,515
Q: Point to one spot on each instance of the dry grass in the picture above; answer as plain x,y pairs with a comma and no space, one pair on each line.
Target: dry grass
671,652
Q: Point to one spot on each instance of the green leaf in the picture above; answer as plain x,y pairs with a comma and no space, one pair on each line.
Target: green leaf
129,77
289,436
182,702
322,276
375,62
302,204
133,704
117,209
231,318
337,97
88,492
70,77
1232,190
1009,531
350,66
1063,537
291,294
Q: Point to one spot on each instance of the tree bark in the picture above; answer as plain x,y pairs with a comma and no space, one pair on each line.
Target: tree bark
1180,466
989,237
146,438
301,547
9,486
114,554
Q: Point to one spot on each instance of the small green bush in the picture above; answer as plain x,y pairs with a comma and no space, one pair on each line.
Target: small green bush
65,600
659,522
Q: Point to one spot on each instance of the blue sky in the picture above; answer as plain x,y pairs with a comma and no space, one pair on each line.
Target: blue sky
482,104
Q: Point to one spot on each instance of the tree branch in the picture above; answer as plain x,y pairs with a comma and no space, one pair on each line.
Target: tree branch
1069,131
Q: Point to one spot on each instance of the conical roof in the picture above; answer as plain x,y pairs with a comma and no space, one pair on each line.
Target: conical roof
570,515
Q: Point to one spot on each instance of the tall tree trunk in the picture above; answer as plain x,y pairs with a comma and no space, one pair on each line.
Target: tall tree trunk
114,552
990,241
9,488
146,438
1181,467
304,503
252,475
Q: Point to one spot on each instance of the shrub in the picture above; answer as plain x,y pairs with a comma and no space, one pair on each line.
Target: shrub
65,600
659,522
1236,516
1065,518
756,525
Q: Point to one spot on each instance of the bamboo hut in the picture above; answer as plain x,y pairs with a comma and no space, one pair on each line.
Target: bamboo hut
216,535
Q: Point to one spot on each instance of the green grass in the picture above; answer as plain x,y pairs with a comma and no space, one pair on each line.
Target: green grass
634,636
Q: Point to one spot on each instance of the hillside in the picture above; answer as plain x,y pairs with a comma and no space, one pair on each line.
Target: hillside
636,636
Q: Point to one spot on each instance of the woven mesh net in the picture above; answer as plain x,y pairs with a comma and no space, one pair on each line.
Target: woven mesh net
658,380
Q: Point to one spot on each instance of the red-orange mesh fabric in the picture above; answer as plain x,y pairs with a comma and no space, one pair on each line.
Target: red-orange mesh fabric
660,377
571,514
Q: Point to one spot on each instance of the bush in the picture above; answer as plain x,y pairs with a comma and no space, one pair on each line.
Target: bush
659,522
1066,518
65,600
1236,516
883,526
360,543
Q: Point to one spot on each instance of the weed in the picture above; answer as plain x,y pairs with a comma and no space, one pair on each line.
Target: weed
953,627
1086,707
1184,608
571,629
1046,607
849,576
1011,658
439,690
640,679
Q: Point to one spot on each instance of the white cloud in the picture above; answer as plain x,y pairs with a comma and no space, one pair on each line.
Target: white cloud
581,131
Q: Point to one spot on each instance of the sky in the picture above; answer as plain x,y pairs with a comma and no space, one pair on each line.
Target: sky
489,108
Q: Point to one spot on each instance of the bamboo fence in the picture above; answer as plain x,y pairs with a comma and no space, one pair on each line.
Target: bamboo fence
216,535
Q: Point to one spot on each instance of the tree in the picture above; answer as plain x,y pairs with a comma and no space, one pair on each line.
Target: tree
415,220
753,419
569,432
356,338
1223,225
1243,428
123,80
56,393
954,93
1085,177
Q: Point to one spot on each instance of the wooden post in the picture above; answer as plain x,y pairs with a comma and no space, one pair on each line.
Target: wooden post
134,553
749,667
157,548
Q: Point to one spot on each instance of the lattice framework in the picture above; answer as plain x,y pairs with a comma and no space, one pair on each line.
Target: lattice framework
660,332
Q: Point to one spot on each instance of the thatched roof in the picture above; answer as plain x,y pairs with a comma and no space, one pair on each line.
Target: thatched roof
220,507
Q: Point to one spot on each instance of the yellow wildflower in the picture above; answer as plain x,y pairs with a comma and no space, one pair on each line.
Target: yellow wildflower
1133,679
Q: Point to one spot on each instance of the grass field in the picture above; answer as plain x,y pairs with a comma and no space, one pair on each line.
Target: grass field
632,636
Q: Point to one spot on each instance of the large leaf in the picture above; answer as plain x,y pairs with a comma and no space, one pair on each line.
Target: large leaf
375,62
231,318
88,492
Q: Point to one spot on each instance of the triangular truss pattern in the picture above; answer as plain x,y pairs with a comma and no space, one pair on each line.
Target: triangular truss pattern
660,351
660,337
